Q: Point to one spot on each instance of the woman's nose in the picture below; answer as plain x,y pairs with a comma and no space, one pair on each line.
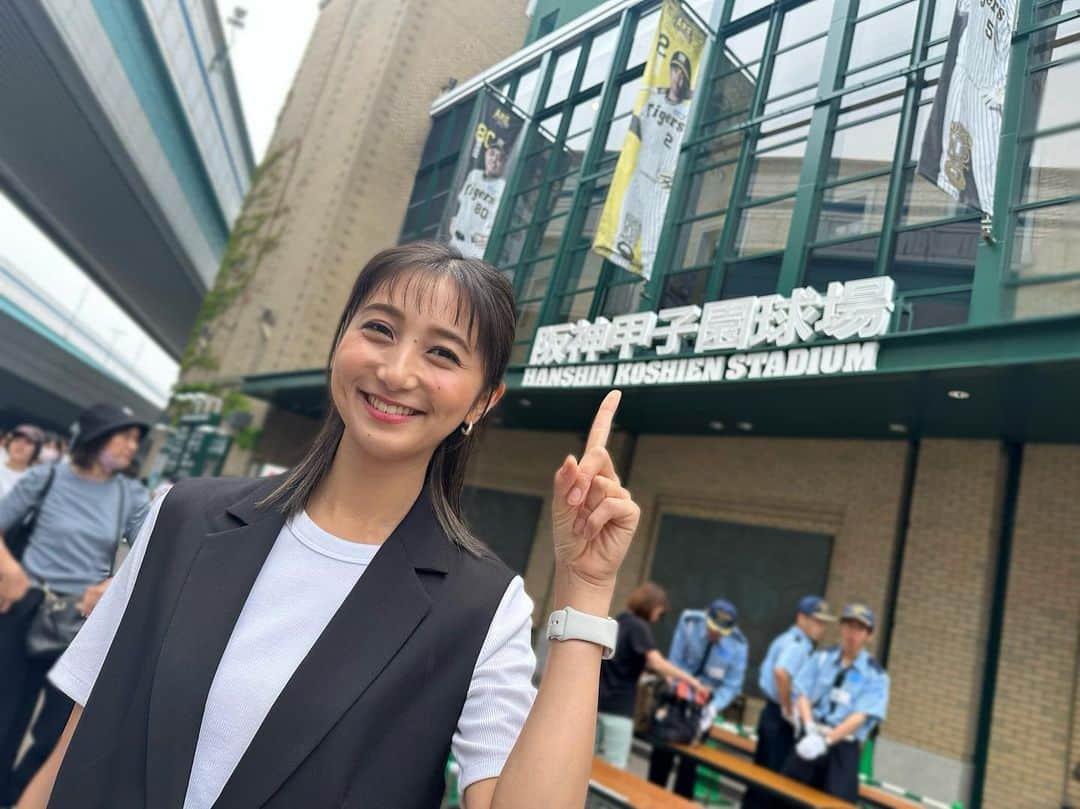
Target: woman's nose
398,371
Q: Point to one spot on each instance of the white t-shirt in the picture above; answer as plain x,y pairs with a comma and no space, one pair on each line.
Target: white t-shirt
8,478
274,634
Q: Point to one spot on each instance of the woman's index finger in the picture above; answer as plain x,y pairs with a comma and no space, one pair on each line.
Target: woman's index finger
605,416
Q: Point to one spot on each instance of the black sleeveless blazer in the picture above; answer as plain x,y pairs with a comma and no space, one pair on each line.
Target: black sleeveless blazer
365,721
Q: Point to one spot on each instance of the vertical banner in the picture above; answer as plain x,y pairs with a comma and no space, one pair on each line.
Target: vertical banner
960,147
633,215
481,176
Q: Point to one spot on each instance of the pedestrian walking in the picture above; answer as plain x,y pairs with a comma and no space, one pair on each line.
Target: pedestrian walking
83,508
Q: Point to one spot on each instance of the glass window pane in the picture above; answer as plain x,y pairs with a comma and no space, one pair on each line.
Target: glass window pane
643,38
805,21
864,147
575,307
847,210
941,256
757,277
537,277
764,227
550,235
743,48
797,68
776,171
730,96
1055,43
1045,300
710,190
562,76
583,117
525,95
915,312
1047,241
585,268
726,147
684,289
698,241
886,34
744,7
925,202
943,18
600,54
519,355
1047,89
704,8
528,314
622,299
1053,167
840,262
512,248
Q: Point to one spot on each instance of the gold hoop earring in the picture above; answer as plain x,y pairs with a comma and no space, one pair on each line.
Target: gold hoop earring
466,428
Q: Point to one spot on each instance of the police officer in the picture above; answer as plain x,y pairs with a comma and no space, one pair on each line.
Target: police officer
842,693
786,656
710,646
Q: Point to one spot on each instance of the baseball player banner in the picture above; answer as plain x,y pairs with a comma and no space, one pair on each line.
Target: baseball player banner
633,214
481,175
960,147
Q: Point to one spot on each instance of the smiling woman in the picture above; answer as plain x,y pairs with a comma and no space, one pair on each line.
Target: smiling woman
326,638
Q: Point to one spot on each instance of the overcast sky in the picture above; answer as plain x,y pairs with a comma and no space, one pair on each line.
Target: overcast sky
265,57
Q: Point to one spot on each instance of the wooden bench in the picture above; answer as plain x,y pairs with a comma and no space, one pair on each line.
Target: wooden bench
634,792
746,771
872,795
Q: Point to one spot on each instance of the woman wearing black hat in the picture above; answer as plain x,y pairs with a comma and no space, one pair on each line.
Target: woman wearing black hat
84,507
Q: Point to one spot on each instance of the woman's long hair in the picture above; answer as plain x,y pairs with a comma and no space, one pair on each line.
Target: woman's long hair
485,307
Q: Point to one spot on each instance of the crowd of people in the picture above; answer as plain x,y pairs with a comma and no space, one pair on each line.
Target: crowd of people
820,704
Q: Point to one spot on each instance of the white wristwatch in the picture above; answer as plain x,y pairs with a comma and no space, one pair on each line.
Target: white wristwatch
569,624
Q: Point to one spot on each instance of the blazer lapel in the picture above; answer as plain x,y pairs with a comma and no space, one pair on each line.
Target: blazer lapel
372,624
217,585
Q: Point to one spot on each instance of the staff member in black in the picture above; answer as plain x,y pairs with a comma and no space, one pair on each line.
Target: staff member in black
322,640
634,652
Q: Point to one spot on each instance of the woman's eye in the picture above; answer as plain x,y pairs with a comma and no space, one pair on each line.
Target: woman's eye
446,353
378,327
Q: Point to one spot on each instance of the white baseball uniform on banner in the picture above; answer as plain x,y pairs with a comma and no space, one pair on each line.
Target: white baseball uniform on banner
660,127
477,203
972,120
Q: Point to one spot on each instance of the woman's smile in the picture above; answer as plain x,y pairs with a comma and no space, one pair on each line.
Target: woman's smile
387,410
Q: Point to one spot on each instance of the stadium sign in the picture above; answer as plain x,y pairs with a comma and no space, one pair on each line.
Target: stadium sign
763,337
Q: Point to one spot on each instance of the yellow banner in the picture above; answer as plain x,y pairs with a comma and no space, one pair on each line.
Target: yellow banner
633,215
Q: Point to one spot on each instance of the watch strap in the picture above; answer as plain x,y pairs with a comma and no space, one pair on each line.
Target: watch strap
570,624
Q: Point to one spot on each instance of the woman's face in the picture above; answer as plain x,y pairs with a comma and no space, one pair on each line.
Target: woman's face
120,450
406,375
20,450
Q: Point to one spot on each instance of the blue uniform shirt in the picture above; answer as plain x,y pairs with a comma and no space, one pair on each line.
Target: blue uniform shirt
725,669
864,688
788,651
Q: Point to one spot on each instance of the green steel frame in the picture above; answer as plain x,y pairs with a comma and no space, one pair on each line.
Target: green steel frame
992,280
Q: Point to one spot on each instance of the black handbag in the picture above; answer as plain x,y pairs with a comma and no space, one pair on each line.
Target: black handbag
677,716
58,619
18,536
